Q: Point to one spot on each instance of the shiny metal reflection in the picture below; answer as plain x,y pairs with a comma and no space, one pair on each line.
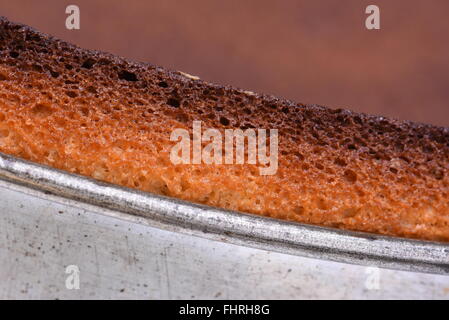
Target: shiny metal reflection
238,228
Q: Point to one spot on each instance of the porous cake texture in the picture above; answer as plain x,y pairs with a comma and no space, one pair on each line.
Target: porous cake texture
109,118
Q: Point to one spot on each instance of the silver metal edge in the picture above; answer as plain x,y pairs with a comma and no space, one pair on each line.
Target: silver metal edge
223,225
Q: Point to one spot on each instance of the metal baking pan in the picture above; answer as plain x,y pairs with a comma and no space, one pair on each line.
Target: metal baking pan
238,228
182,220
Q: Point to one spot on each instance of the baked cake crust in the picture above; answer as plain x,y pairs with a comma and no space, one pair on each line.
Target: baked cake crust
109,118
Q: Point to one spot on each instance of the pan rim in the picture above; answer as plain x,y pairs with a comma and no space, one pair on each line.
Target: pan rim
224,225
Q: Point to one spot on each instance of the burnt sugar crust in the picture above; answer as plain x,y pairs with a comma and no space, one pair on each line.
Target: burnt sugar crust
109,118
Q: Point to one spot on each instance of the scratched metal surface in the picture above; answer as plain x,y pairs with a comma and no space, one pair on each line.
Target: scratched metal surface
151,255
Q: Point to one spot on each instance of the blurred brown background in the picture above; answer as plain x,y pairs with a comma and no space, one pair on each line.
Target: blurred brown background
310,51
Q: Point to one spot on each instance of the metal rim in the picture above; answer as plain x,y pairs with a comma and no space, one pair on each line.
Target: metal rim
234,227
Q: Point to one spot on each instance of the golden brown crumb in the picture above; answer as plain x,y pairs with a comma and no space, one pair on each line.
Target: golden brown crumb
105,117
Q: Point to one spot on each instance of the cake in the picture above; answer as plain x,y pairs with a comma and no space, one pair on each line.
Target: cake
105,117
